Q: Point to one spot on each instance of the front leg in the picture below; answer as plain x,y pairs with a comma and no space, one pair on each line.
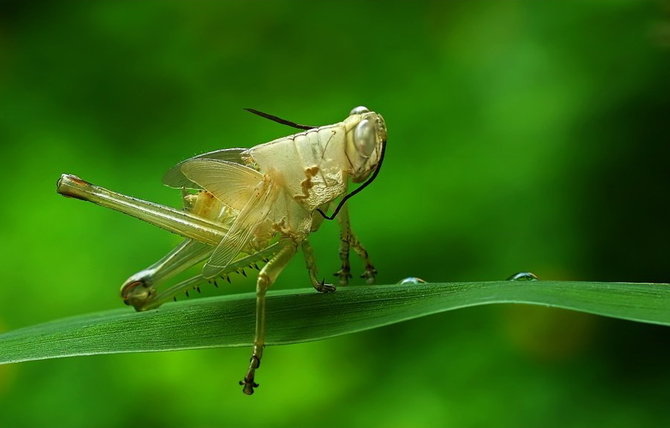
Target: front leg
310,262
345,237
370,272
348,240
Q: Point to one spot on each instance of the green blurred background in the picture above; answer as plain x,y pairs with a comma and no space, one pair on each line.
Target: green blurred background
523,136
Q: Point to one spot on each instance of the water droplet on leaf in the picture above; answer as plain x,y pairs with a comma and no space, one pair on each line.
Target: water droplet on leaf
411,280
523,276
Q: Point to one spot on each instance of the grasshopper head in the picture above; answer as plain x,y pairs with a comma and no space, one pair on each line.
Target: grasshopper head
365,140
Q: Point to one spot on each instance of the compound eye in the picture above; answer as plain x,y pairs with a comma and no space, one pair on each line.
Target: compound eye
359,110
364,138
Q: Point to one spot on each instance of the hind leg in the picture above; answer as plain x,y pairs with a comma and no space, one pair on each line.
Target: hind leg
140,290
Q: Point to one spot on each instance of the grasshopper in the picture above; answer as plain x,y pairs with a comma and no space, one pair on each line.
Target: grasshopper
244,207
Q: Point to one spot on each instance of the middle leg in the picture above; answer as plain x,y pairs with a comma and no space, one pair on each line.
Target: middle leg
266,277
310,262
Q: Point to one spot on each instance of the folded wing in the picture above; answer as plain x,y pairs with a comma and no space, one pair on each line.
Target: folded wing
244,190
230,183
174,177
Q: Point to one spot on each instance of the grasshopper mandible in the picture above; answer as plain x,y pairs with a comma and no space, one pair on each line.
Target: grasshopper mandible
248,206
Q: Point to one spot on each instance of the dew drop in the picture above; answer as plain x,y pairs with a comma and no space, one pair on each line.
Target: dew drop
523,276
411,280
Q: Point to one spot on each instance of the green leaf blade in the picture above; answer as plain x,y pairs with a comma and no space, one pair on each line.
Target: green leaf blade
295,316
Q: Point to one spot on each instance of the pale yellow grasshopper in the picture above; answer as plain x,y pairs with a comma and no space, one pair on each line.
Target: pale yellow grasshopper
252,206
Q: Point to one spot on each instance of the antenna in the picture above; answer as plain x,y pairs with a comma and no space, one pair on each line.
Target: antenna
279,119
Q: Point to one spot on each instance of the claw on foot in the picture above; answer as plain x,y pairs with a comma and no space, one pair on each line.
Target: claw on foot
248,385
322,287
369,274
344,276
